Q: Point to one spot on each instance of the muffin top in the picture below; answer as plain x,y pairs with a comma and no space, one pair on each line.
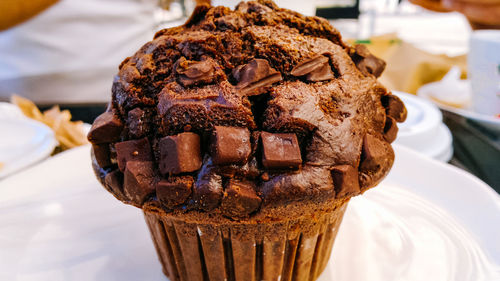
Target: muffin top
238,111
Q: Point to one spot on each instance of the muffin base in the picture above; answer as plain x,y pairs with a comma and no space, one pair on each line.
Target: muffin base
192,248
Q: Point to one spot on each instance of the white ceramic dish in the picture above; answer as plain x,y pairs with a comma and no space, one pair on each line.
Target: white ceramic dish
24,142
423,129
489,121
426,221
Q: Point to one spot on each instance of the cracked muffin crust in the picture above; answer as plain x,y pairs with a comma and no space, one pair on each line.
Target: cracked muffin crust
236,112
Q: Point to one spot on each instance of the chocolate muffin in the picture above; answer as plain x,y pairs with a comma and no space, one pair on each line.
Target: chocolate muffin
242,135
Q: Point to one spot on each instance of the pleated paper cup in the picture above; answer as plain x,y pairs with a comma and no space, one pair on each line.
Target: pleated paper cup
196,246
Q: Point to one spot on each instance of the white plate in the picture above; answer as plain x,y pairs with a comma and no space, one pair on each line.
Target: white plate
427,221
423,129
489,121
24,142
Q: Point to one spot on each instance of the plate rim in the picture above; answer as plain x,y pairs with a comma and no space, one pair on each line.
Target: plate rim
42,150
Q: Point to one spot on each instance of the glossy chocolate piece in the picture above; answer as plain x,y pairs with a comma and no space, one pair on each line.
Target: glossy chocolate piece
230,145
345,181
366,62
280,151
316,68
132,150
208,191
394,107
138,123
195,72
249,170
390,129
180,153
114,180
106,128
373,153
174,191
102,154
310,182
255,76
139,180
240,199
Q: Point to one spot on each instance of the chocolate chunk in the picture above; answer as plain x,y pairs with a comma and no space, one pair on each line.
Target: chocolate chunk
174,191
230,145
316,68
280,151
107,128
249,170
195,72
240,199
373,153
366,62
390,129
207,191
138,123
180,153
132,150
139,180
345,181
102,155
114,180
310,182
394,107
255,76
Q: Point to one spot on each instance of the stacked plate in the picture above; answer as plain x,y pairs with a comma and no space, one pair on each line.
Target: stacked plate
424,130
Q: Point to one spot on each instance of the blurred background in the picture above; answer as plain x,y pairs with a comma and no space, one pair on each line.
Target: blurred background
66,53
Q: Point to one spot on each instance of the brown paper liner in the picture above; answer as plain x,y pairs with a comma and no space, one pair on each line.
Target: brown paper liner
290,249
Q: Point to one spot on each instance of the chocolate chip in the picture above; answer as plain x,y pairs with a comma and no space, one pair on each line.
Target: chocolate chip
255,76
230,145
373,153
195,72
394,107
280,151
138,124
132,150
311,182
138,180
240,199
345,181
114,180
367,63
249,170
102,154
207,191
105,129
316,68
390,129
174,191
180,153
